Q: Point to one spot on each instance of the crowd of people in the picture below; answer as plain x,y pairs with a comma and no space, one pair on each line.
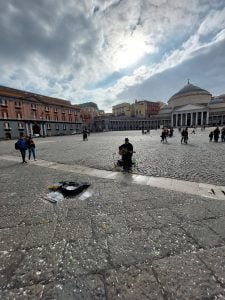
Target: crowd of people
25,143
166,132
213,136
126,149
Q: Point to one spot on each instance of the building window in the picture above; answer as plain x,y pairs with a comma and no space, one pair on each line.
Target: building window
48,126
20,125
3,102
71,127
46,108
34,106
5,115
56,110
6,125
64,126
56,126
47,117
19,116
17,104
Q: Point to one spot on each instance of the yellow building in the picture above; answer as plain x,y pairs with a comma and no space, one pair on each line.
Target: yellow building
139,108
122,109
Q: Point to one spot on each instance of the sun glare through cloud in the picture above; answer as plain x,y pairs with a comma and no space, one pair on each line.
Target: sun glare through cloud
130,51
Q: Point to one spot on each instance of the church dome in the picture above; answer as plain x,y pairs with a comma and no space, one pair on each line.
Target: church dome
190,89
190,94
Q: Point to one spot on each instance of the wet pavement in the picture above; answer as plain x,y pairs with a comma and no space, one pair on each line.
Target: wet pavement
126,239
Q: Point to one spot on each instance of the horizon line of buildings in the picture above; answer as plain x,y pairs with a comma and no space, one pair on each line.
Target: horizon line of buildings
30,113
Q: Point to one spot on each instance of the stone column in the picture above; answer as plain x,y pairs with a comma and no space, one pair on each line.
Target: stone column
31,129
191,119
202,118
176,120
196,119
27,129
185,119
44,129
207,118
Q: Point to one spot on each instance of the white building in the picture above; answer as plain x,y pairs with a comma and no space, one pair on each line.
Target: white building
193,106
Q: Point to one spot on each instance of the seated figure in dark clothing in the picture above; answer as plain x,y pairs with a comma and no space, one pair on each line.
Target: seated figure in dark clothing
126,151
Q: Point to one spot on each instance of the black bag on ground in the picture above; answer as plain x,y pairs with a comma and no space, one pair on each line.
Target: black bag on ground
73,188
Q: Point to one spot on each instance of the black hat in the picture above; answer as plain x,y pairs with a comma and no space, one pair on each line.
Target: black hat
126,140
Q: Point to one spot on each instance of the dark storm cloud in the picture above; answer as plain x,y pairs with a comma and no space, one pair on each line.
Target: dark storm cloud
42,28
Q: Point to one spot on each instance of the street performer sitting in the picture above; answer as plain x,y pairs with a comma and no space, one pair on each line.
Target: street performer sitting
126,151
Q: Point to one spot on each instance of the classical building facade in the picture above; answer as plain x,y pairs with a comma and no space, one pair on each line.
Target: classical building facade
29,113
190,106
194,106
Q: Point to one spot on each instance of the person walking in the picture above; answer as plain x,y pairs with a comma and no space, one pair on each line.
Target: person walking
164,135
184,135
31,147
126,151
85,138
21,145
216,134
211,136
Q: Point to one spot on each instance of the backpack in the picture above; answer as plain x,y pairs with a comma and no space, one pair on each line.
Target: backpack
17,147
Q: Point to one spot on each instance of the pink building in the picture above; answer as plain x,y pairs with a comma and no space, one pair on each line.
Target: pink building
30,113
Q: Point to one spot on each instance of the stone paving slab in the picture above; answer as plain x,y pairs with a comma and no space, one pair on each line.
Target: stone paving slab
199,161
191,279
126,241
199,189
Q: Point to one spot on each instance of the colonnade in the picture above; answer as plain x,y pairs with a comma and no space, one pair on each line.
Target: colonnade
190,118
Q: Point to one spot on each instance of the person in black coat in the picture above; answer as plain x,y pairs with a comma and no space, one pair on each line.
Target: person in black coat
216,134
126,151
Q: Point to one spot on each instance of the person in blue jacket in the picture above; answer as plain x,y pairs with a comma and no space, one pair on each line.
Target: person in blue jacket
22,146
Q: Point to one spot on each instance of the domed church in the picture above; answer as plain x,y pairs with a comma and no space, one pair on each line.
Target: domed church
194,106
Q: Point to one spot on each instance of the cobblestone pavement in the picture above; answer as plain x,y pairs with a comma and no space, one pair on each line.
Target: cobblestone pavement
126,241
199,161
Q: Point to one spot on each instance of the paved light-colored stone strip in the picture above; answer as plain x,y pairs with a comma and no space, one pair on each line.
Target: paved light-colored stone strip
194,188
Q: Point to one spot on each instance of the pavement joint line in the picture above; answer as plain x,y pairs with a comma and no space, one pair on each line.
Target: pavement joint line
187,187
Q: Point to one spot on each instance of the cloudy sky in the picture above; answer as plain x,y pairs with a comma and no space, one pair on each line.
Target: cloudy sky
112,51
